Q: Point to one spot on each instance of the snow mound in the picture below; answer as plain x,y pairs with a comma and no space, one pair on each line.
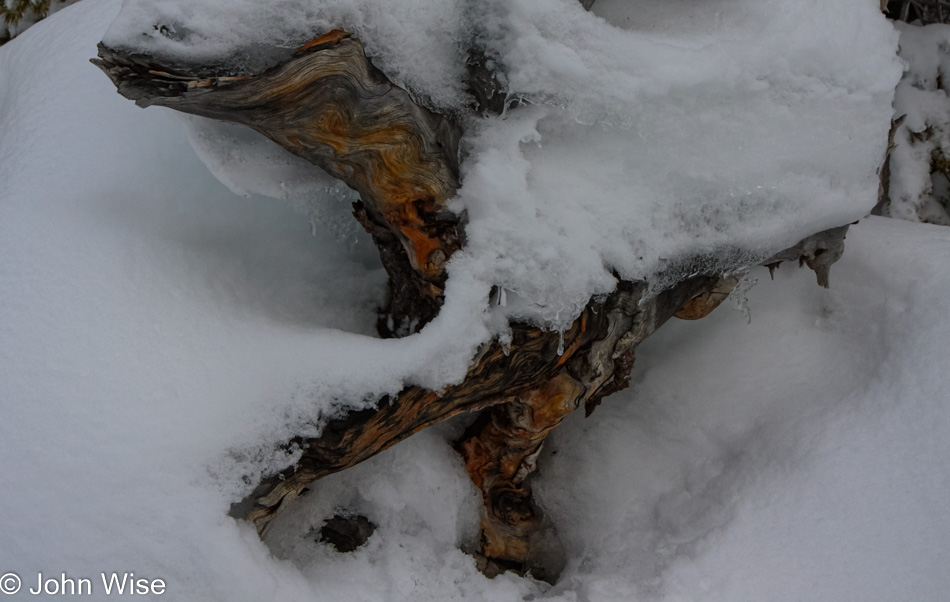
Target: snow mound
797,458
656,148
653,146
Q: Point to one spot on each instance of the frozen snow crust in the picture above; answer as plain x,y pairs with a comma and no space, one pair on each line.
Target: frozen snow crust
160,333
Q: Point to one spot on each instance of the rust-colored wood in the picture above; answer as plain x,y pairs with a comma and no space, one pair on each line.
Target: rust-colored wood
702,305
502,450
330,105
598,354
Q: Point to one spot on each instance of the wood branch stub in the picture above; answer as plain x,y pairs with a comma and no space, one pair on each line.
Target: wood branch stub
330,105
818,251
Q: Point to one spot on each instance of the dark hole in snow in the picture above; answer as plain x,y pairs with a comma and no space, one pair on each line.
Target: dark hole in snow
346,533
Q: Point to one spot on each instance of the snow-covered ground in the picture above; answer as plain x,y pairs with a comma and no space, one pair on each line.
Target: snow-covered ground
158,333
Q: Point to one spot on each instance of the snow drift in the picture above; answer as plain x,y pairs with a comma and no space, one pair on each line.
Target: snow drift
652,147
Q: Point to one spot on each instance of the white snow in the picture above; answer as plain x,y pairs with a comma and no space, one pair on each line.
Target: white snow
657,148
160,333
650,149
419,44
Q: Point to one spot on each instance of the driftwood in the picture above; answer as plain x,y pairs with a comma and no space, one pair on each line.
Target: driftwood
329,104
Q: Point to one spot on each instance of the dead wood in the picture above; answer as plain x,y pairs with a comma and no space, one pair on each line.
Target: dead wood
328,104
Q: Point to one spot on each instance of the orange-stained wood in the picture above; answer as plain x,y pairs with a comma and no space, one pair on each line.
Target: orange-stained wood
501,452
703,304
330,105
331,37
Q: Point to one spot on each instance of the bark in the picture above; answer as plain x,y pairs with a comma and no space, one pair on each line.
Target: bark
329,104
883,206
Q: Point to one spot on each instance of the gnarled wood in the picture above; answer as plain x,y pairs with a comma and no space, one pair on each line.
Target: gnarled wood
328,104
599,342
702,305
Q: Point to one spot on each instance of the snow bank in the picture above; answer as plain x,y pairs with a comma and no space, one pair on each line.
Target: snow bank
798,458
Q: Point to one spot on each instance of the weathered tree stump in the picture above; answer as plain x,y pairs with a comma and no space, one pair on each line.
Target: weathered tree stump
328,104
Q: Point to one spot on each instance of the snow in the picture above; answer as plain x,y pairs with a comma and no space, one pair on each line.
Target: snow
159,334
800,457
250,164
655,149
649,149
246,35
